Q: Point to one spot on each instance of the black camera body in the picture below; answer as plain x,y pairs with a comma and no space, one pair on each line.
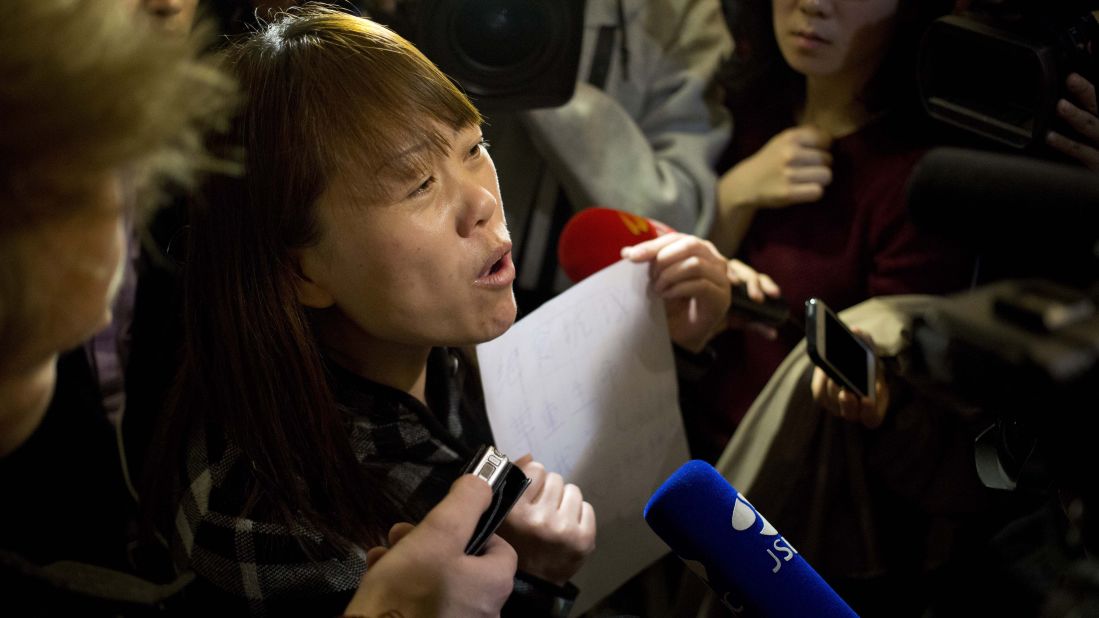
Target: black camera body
506,54
998,70
1025,354
1018,355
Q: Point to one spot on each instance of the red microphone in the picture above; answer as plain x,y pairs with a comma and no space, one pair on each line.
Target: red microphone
593,240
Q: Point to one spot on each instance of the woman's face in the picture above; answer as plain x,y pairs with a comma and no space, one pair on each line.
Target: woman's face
73,268
825,38
174,16
429,263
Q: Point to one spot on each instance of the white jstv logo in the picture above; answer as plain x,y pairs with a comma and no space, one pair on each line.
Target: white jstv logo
744,518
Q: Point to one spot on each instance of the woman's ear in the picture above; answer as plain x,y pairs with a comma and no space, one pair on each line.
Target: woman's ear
310,292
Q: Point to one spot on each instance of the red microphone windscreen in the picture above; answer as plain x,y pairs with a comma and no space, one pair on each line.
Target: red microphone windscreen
593,239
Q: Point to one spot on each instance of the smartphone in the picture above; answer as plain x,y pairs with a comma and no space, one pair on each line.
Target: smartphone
846,358
507,482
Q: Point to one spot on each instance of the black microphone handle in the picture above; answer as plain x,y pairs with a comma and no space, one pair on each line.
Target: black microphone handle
773,312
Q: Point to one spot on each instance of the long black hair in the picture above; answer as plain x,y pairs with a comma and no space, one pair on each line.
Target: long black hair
326,92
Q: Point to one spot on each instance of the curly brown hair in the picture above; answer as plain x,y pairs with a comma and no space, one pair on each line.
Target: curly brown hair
87,88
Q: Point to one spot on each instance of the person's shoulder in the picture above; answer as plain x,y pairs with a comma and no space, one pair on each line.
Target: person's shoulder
233,533
216,486
80,589
673,23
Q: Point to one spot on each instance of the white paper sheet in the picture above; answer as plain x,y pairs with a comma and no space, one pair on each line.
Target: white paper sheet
587,385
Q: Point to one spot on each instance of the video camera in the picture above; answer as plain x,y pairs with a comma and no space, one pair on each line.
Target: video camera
998,69
1019,353
505,54
1026,354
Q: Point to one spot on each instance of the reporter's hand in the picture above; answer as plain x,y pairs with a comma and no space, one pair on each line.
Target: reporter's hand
794,167
426,572
844,404
759,286
551,527
1083,116
692,278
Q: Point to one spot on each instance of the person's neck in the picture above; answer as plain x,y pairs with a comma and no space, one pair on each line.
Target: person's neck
835,104
401,366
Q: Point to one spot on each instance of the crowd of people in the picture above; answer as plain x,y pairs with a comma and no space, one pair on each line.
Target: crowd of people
246,249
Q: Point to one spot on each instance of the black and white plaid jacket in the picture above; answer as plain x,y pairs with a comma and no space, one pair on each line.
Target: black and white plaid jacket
252,566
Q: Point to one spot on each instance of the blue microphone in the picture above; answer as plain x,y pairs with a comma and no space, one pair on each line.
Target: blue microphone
726,542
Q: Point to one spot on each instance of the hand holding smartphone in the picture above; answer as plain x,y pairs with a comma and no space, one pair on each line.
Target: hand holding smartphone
845,357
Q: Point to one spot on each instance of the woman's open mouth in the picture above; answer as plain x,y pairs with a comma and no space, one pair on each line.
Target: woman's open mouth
499,272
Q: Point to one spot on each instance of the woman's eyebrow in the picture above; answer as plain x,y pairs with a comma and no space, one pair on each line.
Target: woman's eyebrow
411,151
407,163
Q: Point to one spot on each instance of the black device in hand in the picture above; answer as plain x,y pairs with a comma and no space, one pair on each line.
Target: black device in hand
845,357
771,312
507,482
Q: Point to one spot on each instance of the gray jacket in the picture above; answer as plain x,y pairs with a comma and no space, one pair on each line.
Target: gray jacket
646,143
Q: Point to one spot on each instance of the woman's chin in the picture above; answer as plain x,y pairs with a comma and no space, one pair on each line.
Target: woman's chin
503,319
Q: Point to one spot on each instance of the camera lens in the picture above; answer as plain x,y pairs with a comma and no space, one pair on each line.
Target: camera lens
500,34
505,54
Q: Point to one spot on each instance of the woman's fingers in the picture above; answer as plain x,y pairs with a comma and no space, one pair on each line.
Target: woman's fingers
398,532
1083,91
374,555
571,502
536,472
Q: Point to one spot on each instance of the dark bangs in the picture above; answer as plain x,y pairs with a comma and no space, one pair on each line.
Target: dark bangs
368,95
330,93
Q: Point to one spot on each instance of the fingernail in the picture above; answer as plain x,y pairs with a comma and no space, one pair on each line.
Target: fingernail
627,252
